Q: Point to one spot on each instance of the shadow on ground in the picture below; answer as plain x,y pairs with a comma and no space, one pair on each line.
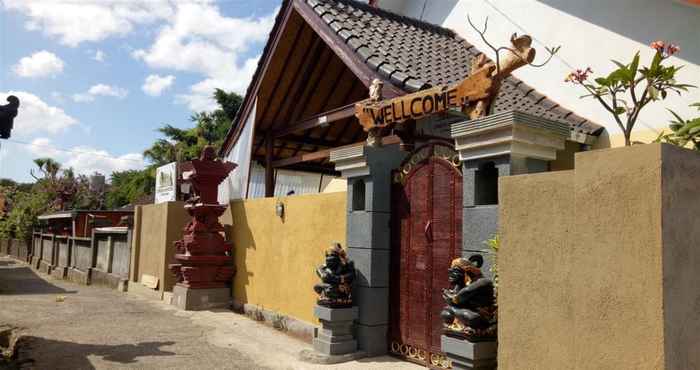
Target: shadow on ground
20,279
58,354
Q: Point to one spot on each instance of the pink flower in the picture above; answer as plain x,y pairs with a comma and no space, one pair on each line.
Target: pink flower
578,76
672,49
658,46
666,49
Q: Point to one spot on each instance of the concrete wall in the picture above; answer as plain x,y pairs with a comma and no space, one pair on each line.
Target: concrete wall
276,257
596,264
82,254
156,228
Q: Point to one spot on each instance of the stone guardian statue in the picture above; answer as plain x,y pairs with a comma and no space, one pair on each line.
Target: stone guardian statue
337,276
471,308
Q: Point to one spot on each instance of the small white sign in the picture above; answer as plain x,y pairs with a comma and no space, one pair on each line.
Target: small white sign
166,183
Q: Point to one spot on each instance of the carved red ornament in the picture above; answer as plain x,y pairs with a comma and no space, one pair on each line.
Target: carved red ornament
203,255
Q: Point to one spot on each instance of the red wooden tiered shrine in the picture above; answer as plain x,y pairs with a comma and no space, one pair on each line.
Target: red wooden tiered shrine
204,256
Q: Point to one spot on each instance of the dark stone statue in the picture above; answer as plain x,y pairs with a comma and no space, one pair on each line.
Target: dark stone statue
337,275
8,113
471,307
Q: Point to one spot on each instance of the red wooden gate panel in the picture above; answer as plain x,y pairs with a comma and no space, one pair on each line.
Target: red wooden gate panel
427,228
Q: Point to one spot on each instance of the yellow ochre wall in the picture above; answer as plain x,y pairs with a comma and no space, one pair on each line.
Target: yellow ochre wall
598,266
276,257
156,228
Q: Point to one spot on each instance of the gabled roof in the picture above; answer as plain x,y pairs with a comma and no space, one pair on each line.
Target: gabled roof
411,55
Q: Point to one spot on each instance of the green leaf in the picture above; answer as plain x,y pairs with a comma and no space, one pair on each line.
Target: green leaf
656,62
620,65
654,93
602,81
679,119
620,110
634,65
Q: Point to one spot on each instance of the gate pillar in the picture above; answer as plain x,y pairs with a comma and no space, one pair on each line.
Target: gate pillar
368,172
502,144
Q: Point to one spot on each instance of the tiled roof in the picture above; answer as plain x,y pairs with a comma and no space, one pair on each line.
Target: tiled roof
413,55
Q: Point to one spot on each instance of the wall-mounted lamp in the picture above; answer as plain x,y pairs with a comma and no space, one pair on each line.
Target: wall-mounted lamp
279,209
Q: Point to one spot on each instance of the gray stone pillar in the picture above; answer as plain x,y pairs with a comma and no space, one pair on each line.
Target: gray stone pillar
504,144
368,171
465,355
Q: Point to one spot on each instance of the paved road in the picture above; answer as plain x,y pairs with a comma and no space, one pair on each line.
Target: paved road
97,328
70,326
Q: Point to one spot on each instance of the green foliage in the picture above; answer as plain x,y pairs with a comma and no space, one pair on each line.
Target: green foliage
187,144
129,187
684,132
494,244
177,145
22,218
625,91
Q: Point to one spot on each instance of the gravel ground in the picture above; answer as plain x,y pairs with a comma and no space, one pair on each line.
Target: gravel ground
70,326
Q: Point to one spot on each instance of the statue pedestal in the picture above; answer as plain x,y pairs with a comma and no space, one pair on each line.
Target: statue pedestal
191,299
335,335
466,355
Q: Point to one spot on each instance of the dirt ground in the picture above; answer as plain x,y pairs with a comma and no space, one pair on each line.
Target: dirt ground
70,326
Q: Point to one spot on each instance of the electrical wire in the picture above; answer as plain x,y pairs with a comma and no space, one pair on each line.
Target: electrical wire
72,150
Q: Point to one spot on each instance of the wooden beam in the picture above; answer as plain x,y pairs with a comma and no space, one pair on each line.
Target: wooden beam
312,167
321,154
290,57
344,52
327,104
269,170
307,78
276,34
322,119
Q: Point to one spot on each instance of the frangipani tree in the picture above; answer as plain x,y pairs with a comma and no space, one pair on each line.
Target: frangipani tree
631,87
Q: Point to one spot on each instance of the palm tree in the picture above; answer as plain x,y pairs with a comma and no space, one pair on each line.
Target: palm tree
48,167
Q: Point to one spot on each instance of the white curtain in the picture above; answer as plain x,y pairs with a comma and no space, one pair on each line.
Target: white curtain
235,185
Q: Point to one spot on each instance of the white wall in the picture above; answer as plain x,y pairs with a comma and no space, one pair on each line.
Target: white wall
590,33
297,181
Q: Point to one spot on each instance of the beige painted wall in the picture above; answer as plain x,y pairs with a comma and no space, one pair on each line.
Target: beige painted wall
276,257
156,228
596,265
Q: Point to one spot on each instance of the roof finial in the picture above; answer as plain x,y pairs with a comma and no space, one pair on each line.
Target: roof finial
374,3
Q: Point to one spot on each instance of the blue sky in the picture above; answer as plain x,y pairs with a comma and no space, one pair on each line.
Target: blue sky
97,77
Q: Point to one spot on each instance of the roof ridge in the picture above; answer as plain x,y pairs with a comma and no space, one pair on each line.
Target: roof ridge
396,17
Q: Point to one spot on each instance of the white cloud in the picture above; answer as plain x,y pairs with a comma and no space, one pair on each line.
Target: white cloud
154,85
86,160
100,90
107,90
74,22
99,56
39,64
36,116
199,39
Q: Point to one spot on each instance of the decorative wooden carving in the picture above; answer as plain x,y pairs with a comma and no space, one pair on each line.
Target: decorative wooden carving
519,54
204,256
426,237
381,114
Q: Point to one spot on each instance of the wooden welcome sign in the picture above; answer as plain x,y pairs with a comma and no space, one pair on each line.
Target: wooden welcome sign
373,114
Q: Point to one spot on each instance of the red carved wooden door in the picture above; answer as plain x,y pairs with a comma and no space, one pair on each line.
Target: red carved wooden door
426,236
